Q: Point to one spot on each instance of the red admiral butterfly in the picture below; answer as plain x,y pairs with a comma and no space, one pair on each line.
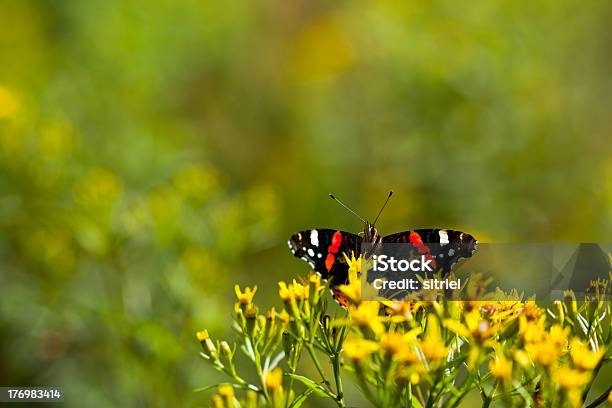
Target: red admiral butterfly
323,248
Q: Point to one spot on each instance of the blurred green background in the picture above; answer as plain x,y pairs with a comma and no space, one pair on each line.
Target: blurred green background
154,153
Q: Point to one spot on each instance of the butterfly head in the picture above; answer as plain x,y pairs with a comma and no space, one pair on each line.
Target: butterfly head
370,233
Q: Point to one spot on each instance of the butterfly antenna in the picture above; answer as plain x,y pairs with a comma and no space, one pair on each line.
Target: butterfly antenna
342,204
383,207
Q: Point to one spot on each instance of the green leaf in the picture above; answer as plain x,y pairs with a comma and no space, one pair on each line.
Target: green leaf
312,385
208,387
299,400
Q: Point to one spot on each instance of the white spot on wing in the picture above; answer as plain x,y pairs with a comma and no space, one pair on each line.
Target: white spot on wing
443,237
451,252
314,237
310,252
319,255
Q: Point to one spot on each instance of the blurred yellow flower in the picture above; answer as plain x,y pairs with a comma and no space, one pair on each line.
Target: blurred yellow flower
401,309
394,343
501,368
226,391
322,50
217,401
432,346
357,349
543,346
9,104
582,355
569,379
521,357
196,181
202,335
274,379
245,297
283,316
475,326
366,316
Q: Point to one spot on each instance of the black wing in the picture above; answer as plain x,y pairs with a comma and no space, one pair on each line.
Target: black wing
445,247
323,249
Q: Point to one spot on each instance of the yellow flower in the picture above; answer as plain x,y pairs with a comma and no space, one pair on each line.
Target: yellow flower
582,355
357,349
522,358
557,336
366,316
531,311
610,397
290,294
532,331
294,290
245,297
395,343
432,346
301,291
217,401
316,288
274,379
284,292
207,343
569,378
543,346
226,391
283,316
501,368
401,309
475,327
353,289
202,335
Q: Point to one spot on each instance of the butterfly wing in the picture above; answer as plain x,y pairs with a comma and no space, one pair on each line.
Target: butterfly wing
323,249
445,247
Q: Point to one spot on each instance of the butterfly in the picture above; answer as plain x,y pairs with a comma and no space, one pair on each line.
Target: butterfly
324,248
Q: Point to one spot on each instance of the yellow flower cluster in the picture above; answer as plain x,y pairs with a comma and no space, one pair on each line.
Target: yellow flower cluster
505,349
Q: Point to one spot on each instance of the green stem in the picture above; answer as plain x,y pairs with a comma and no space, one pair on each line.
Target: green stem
487,399
335,359
261,378
313,356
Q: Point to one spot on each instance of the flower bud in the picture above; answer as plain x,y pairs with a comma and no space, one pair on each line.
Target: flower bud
560,311
251,318
226,351
207,344
314,283
270,325
287,344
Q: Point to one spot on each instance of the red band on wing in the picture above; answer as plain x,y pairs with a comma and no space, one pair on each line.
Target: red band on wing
417,241
329,261
333,249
